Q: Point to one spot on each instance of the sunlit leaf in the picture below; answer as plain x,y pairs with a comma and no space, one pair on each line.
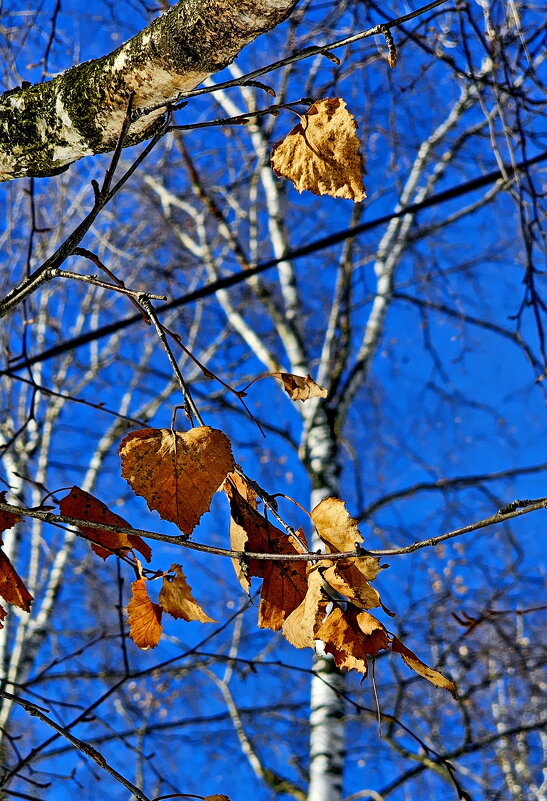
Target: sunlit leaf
144,617
177,474
177,600
83,506
410,658
321,154
351,635
300,387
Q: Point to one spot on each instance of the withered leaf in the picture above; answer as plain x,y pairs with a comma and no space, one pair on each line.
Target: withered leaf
410,658
321,154
3,615
217,797
285,583
7,519
300,387
334,525
144,617
177,600
300,626
351,635
345,577
82,505
12,587
177,474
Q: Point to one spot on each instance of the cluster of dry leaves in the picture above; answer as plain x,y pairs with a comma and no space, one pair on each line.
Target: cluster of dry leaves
310,600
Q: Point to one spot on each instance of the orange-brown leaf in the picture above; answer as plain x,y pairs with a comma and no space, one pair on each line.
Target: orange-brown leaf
177,474
300,387
410,658
216,797
300,626
3,615
321,154
12,587
351,635
144,617
7,519
347,578
83,506
284,582
177,600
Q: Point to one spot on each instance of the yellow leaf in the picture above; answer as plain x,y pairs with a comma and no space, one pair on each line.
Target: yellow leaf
322,153
334,525
300,387
177,474
177,600
144,617
347,578
421,668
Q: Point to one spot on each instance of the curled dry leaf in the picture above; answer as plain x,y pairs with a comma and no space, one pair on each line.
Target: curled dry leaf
300,626
12,587
177,474
177,600
82,505
285,583
322,153
351,635
410,658
144,617
300,387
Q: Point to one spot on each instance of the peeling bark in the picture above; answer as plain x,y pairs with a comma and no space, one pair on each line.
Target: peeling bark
47,126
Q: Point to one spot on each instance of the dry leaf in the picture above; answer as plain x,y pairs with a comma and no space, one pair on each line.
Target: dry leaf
334,525
144,617
7,519
300,387
300,626
285,583
177,600
3,615
177,474
421,668
12,587
351,635
82,505
346,578
322,153
217,797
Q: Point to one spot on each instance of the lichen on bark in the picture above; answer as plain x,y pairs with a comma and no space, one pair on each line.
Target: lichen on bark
45,127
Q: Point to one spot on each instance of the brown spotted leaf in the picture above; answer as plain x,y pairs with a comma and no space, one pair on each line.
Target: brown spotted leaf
351,635
83,506
300,387
177,600
421,668
322,153
144,617
177,474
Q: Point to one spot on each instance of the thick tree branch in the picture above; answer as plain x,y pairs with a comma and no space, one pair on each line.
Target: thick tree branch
45,127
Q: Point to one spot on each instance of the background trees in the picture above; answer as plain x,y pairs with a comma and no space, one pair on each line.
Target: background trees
423,316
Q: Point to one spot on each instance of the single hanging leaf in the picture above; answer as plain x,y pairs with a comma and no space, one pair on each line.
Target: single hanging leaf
300,387
144,617
421,668
322,153
82,505
177,474
12,587
177,600
351,635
